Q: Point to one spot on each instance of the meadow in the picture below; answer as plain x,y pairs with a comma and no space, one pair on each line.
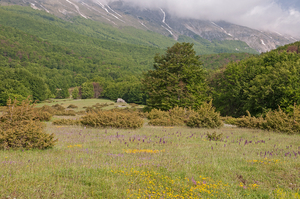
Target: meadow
154,162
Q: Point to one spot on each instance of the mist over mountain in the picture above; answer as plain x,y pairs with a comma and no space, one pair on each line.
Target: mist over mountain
267,15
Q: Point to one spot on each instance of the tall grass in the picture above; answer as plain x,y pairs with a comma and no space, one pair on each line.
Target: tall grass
155,162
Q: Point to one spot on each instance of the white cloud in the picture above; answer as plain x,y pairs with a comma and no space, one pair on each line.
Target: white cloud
259,14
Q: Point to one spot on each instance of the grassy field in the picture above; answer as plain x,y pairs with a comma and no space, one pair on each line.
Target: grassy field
155,162
80,103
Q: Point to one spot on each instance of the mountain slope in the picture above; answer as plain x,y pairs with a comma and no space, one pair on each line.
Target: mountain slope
130,35
120,14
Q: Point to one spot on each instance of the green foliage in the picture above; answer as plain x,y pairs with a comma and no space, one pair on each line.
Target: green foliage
276,120
20,128
96,107
67,122
174,117
205,117
216,61
12,89
75,93
214,136
257,84
177,79
72,106
56,110
87,90
113,118
250,121
62,93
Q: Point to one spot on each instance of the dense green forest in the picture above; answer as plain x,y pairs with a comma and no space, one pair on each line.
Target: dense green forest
57,67
259,83
54,29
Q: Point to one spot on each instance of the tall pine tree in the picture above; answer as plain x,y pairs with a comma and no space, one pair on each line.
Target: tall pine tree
178,79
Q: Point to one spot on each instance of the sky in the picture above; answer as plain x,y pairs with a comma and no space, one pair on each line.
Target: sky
273,15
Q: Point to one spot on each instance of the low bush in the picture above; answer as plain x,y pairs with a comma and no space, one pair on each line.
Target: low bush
72,106
67,122
55,110
250,121
205,117
276,120
175,117
230,120
20,128
96,107
214,136
66,113
43,116
113,119
58,107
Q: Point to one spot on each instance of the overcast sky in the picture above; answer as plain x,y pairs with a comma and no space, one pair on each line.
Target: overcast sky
259,14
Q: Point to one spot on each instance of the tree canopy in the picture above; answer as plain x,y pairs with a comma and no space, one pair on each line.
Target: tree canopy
258,84
178,79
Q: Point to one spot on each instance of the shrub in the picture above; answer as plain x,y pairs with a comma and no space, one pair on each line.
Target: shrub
67,122
72,106
276,120
176,116
58,107
66,113
55,110
19,128
205,117
112,118
280,121
214,136
230,120
42,115
96,107
250,122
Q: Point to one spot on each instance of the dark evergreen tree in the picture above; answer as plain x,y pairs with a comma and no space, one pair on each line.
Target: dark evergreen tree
178,79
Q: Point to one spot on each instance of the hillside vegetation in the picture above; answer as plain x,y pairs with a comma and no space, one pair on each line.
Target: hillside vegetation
51,28
260,83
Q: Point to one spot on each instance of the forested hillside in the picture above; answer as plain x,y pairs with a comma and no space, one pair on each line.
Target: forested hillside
60,67
215,61
260,83
52,28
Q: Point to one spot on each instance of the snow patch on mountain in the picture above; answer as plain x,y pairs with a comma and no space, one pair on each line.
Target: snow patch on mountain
34,7
45,8
104,8
77,8
164,19
222,29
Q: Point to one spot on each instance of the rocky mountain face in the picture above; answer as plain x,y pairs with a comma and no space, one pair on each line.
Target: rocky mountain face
120,14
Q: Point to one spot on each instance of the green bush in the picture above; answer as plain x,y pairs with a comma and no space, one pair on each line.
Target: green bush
230,120
276,120
72,106
55,110
19,128
205,117
214,136
113,119
66,122
250,121
175,117
58,107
